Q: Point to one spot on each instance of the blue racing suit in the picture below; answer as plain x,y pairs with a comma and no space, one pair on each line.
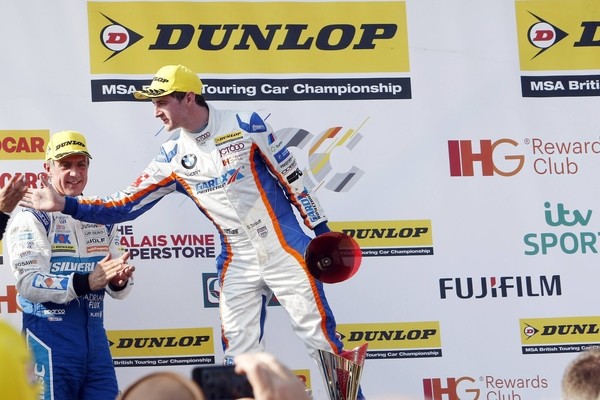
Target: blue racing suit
51,256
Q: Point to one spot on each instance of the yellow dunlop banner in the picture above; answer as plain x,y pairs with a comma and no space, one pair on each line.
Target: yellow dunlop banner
560,330
161,342
248,37
558,34
392,335
23,144
386,233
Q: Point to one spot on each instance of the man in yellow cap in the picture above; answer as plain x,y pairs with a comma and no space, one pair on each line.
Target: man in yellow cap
63,269
17,378
245,180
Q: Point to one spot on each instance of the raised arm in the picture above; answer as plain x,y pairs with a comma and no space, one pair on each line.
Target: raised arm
149,188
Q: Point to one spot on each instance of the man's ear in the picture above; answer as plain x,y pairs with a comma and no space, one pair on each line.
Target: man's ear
190,97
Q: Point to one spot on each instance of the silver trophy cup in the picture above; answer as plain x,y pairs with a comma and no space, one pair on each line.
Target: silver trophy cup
342,373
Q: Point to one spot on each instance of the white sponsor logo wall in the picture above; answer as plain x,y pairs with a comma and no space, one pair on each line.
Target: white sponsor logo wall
504,181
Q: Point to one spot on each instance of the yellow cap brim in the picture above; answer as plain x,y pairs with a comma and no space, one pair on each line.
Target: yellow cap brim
60,156
151,93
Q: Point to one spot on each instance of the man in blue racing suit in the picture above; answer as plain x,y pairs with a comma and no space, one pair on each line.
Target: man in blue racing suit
63,269
244,180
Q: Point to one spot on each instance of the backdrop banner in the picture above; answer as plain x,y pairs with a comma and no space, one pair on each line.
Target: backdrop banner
455,141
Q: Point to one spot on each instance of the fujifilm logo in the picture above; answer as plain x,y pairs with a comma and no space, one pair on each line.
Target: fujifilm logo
505,286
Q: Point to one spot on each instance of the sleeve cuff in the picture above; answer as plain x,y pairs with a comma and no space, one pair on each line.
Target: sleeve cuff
115,288
71,205
321,228
81,284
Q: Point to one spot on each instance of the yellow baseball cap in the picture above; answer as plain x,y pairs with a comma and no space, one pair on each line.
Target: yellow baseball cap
169,79
17,379
64,144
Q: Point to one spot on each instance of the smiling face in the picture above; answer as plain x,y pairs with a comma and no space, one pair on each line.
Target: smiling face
68,175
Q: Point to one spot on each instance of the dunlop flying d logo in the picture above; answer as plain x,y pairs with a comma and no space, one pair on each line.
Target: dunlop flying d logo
116,37
231,37
544,35
529,331
558,35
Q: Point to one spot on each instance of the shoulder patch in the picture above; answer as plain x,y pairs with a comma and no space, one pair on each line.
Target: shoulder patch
42,216
166,156
256,124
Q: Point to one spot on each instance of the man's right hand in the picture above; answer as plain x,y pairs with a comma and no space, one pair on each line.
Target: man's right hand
109,269
43,199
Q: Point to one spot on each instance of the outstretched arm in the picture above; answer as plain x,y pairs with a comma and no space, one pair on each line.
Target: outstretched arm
44,199
155,182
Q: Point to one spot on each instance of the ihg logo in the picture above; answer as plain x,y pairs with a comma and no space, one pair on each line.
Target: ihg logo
463,158
452,389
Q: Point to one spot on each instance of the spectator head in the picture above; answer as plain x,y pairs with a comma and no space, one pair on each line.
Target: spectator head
162,385
581,379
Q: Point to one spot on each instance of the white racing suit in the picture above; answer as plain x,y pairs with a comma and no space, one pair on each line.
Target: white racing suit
244,180
51,256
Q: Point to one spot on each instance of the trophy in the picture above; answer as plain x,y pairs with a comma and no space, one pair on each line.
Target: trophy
342,373
333,257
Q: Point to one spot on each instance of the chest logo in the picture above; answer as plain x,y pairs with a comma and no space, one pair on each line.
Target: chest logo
188,161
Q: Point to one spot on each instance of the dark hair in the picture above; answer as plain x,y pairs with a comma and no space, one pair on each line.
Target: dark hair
200,100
